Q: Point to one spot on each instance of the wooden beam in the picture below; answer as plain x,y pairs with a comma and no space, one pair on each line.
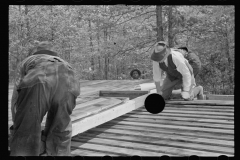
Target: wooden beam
131,94
219,97
82,125
87,123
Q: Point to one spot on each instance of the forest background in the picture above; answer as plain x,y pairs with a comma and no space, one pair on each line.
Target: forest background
107,42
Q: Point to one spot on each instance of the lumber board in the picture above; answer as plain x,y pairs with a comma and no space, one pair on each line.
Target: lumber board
188,115
202,102
146,133
156,144
144,147
196,112
113,149
85,152
199,109
219,97
94,108
203,107
200,134
86,123
213,130
180,119
87,103
131,94
181,123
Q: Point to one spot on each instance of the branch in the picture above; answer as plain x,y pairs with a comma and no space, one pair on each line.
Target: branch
135,17
130,49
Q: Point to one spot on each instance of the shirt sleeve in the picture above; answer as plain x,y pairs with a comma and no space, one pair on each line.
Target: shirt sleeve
179,61
157,72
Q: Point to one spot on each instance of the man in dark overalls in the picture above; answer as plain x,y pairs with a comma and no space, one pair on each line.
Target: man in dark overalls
178,71
45,83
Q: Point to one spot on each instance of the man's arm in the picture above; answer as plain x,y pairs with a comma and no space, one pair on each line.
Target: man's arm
157,73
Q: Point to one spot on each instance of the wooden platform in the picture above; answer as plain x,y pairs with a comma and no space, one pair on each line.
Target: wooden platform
180,130
203,128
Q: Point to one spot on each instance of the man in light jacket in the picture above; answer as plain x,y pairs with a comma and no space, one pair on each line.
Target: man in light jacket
178,71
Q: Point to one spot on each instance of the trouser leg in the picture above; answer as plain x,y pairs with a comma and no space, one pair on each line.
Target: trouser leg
31,108
198,92
58,126
168,86
58,140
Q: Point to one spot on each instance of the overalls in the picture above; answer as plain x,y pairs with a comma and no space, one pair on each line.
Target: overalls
47,84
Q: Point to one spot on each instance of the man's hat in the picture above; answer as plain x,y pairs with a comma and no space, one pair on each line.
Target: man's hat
158,55
184,48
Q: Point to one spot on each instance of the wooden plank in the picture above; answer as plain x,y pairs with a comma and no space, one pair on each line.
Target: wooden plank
83,99
174,127
143,147
202,102
187,115
112,149
181,123
219,97
88,103
200,107
160,142
87,152
196,112
131,94
200,134
146,133
94,108
84,124
180,119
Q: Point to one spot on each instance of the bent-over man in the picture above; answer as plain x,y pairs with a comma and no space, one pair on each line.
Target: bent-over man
45,84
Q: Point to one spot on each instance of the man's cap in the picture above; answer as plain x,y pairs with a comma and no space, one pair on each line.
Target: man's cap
184,48
43,48
158,55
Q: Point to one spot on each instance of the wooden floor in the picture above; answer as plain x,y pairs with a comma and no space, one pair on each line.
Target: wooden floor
182,129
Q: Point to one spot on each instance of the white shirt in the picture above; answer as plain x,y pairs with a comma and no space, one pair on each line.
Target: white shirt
182,68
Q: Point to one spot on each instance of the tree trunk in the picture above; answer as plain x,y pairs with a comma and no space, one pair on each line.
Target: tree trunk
170,27
159,23
99,54
105,54
52,26
91,49
27,21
